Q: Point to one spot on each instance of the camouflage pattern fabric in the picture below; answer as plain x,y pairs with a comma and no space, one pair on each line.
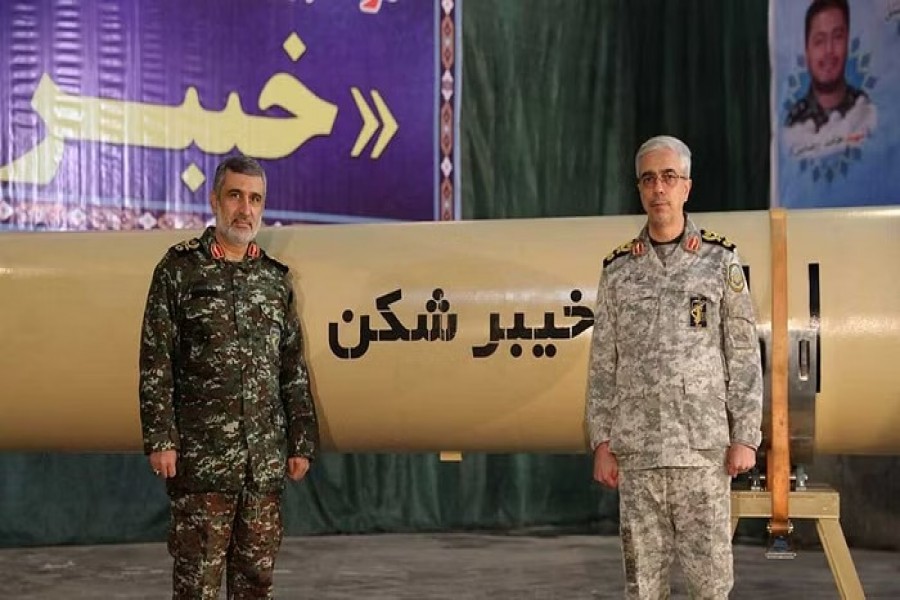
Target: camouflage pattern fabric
222,374
654,504
674,378
675,373
808,111
207,528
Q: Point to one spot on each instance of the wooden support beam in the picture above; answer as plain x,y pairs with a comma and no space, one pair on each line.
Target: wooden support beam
778,457
821,504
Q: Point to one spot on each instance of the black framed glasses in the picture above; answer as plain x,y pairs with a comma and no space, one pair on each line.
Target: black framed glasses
669,178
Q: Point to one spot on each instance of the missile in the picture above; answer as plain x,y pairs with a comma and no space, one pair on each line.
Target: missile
461,336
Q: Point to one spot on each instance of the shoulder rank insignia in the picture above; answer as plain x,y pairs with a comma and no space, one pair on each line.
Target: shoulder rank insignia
187,245
692,243
623,250
711,237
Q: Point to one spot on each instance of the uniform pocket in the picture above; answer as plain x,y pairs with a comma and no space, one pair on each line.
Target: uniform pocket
631,430
637,310
205,322
740,333
270,327
205,304
706,413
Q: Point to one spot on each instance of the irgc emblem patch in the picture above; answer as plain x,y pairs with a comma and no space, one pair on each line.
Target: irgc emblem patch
736,277
698,311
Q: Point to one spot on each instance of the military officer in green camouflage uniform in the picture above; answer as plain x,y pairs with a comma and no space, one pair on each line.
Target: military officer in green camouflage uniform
674,396
225,403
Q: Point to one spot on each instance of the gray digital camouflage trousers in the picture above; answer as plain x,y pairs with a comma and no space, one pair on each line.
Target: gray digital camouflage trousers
676,512
238,531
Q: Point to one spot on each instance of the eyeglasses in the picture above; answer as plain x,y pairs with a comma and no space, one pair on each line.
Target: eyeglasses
668,177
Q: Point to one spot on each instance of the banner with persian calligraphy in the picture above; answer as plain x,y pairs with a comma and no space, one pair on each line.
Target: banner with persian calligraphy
835,117
114,114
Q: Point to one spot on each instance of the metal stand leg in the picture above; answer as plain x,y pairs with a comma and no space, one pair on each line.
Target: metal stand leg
839,559
821,504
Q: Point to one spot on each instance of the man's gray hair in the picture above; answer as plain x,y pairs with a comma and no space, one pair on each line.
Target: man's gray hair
244,165
668,142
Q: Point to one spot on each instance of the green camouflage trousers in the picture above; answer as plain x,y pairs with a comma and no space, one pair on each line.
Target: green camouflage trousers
683,512
210,531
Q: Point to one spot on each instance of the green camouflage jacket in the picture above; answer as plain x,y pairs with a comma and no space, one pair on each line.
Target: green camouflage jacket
222,374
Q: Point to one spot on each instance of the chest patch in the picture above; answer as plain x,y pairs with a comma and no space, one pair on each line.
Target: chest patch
699,306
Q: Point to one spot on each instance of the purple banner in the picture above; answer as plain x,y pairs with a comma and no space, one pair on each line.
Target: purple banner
115,113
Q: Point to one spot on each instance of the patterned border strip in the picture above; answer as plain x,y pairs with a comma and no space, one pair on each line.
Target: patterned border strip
447,100
49,215
36,215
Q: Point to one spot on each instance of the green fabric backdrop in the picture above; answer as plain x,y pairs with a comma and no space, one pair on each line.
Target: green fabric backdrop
557,95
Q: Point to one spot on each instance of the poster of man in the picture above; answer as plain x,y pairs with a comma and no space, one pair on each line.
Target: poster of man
835,65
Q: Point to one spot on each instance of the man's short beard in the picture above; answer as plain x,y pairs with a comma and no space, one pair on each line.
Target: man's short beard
239,237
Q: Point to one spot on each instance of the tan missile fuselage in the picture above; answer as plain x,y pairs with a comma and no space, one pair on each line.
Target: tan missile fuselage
480,341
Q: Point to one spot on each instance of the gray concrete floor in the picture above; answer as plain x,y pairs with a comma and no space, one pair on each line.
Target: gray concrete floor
420,566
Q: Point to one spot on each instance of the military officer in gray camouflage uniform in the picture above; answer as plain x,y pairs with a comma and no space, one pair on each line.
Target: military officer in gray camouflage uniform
674,395
225,403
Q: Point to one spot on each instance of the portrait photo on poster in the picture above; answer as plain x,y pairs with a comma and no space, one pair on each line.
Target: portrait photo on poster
833,109
834,121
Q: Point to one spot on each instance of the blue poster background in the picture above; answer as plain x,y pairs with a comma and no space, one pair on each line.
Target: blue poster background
849,161
130,58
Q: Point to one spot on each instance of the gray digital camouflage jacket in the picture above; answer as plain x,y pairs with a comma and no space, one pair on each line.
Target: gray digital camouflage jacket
674,374
222,374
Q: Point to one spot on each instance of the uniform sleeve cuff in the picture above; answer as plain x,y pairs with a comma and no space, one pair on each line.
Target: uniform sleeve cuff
753,447
303,448
160,442
598,443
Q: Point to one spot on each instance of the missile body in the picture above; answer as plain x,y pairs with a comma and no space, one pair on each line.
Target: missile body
464,336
